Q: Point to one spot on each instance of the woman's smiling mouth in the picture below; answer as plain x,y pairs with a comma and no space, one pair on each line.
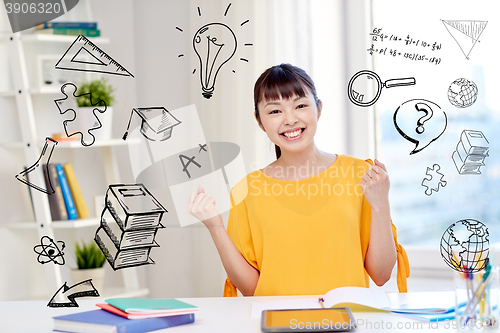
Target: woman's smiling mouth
294,134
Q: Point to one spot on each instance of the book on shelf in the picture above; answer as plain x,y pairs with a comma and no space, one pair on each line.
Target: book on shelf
104,321
81,206
69,32
56,199
68,198
137,308
74,25
62,136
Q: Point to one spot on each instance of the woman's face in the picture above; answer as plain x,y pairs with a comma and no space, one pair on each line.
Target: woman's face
290,123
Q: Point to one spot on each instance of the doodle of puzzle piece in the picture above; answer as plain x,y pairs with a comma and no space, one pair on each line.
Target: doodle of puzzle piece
70,126
433,180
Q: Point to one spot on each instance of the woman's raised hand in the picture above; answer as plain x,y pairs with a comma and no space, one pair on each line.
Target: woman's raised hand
202,206
375,184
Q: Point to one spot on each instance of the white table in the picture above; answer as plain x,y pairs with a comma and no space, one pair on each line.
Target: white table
217,315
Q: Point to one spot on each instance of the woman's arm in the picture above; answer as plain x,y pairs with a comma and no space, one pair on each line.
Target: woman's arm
243,275
381,254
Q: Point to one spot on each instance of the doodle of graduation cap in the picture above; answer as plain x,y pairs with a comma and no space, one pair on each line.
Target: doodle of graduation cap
157,123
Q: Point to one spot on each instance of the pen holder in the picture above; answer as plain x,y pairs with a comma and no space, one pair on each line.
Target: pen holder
476,300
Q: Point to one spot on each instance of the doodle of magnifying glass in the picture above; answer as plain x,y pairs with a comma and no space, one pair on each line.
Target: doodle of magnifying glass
365,87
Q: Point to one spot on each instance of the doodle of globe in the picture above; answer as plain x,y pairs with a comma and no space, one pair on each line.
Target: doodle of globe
462,93
465,246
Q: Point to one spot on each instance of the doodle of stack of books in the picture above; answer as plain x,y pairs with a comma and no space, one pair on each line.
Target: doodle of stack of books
470,153
129,222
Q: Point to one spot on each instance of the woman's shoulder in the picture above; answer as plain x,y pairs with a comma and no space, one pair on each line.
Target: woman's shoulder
240,190
351,160
351,166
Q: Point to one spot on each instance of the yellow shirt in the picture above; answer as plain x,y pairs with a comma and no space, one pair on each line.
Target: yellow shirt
307,236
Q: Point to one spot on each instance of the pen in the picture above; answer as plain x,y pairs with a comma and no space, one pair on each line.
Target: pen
321,300
479,292
481,301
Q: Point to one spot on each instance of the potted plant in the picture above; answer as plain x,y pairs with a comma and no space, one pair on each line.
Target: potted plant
90,261
99,90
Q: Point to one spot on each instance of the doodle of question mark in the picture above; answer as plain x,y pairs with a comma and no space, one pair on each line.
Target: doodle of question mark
422,107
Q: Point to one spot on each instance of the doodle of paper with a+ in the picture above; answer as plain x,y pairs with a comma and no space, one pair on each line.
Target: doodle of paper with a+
65,106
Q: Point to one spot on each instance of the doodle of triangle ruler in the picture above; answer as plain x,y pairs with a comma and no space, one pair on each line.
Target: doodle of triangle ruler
85,56
465,33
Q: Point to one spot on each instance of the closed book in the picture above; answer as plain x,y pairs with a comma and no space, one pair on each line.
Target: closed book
60,212
150,305
104,321
133,207
69,32
474,159
117,258
130,238
143,314
465,168
79,25
474,142
54,208
68,198
469,158
81,206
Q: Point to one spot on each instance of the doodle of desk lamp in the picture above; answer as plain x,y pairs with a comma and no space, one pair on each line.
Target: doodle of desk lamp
214,44
157,123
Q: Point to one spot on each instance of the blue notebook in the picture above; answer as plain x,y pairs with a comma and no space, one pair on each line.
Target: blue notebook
66,192
104,321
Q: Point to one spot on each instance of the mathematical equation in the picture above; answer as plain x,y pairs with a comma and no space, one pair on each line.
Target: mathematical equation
408,55
378,36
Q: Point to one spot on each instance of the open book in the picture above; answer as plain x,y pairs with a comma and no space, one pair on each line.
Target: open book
355,298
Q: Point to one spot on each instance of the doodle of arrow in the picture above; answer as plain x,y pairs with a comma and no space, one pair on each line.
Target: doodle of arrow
82,289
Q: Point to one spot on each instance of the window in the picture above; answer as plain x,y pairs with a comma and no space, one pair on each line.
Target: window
421,218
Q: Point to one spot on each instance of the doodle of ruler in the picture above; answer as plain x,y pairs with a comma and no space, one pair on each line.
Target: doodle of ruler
185,161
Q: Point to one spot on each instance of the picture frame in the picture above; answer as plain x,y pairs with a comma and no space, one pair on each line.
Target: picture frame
48,77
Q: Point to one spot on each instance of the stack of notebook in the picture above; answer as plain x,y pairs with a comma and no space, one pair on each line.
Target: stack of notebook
129,223
131,315
470,152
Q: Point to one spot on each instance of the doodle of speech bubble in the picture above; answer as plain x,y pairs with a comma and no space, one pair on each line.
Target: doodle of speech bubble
24,15
409,121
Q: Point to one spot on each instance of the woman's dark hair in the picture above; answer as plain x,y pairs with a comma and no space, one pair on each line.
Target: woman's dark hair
282,81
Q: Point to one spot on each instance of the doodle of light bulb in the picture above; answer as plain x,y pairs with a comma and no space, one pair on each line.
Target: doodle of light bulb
214,44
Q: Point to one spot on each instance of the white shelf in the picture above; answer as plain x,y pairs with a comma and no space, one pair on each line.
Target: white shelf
77,143
97,143
60,38
34,91
66,224
45,90
8,93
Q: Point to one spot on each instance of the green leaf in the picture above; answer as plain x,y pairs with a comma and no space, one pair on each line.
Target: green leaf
80,261
89,255
100,90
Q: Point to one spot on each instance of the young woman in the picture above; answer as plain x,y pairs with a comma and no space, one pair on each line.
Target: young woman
310,221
